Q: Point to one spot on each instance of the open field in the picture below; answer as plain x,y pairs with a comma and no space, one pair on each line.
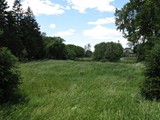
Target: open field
68,90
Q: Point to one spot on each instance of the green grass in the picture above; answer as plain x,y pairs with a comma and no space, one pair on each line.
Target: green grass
68,90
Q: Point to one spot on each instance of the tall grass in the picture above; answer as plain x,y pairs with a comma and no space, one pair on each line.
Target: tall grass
68,90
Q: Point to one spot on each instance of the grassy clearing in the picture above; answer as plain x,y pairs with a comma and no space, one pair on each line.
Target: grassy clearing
68,90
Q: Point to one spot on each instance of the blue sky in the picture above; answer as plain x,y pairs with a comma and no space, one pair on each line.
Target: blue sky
79,22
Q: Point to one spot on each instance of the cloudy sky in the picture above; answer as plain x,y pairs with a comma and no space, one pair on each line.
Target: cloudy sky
79,22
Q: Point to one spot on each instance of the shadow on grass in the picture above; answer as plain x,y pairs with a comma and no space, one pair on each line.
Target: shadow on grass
8,107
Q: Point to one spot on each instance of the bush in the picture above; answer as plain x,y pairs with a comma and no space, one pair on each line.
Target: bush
108,51
113,51
151,86
57,51
74,52
9,76
71,55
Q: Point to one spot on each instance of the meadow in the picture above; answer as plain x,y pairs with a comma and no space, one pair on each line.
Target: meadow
74,90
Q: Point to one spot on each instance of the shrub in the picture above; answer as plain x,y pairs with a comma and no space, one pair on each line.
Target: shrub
9,76
71,55
74,51
57,51
113,51
108,51
150,88
99,51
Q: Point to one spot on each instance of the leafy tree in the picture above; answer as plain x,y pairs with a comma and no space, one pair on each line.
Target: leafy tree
57,50
108,51
3,15
10,29
75,51
139,21
12,37
32,38
142,50
79,52
113,51
151,86
9,76
17,15
48,41
71,52
99,51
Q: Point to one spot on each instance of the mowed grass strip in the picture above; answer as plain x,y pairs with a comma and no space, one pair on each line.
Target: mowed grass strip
68,90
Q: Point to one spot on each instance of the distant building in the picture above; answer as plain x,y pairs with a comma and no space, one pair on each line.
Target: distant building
128,52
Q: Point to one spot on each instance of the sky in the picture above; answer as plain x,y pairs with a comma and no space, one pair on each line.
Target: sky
78,22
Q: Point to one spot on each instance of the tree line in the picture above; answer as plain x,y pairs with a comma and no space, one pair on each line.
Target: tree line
20,33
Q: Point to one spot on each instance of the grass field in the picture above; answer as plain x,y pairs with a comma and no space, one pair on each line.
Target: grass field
68,90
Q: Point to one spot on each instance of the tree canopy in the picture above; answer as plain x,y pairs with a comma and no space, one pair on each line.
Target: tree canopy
20,32
139,21
108,51
9,76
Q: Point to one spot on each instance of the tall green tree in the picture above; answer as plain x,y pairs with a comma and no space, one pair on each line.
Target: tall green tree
32,38
99,51
139,21
3,15
57,50
10,33
3,12
113,51
150,88
12,37
71,54
9,76
17,14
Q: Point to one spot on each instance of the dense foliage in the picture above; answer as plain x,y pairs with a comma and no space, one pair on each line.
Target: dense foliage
20,32
74,51
57,50
108,51
9,76
151,86
32,38
139,22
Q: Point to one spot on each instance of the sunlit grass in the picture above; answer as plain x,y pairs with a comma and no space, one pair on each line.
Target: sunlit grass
68,90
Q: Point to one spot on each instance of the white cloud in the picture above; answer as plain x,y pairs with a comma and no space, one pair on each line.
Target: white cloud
100,5
52,26
102,21
101,32
10,2
66,33
41,6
